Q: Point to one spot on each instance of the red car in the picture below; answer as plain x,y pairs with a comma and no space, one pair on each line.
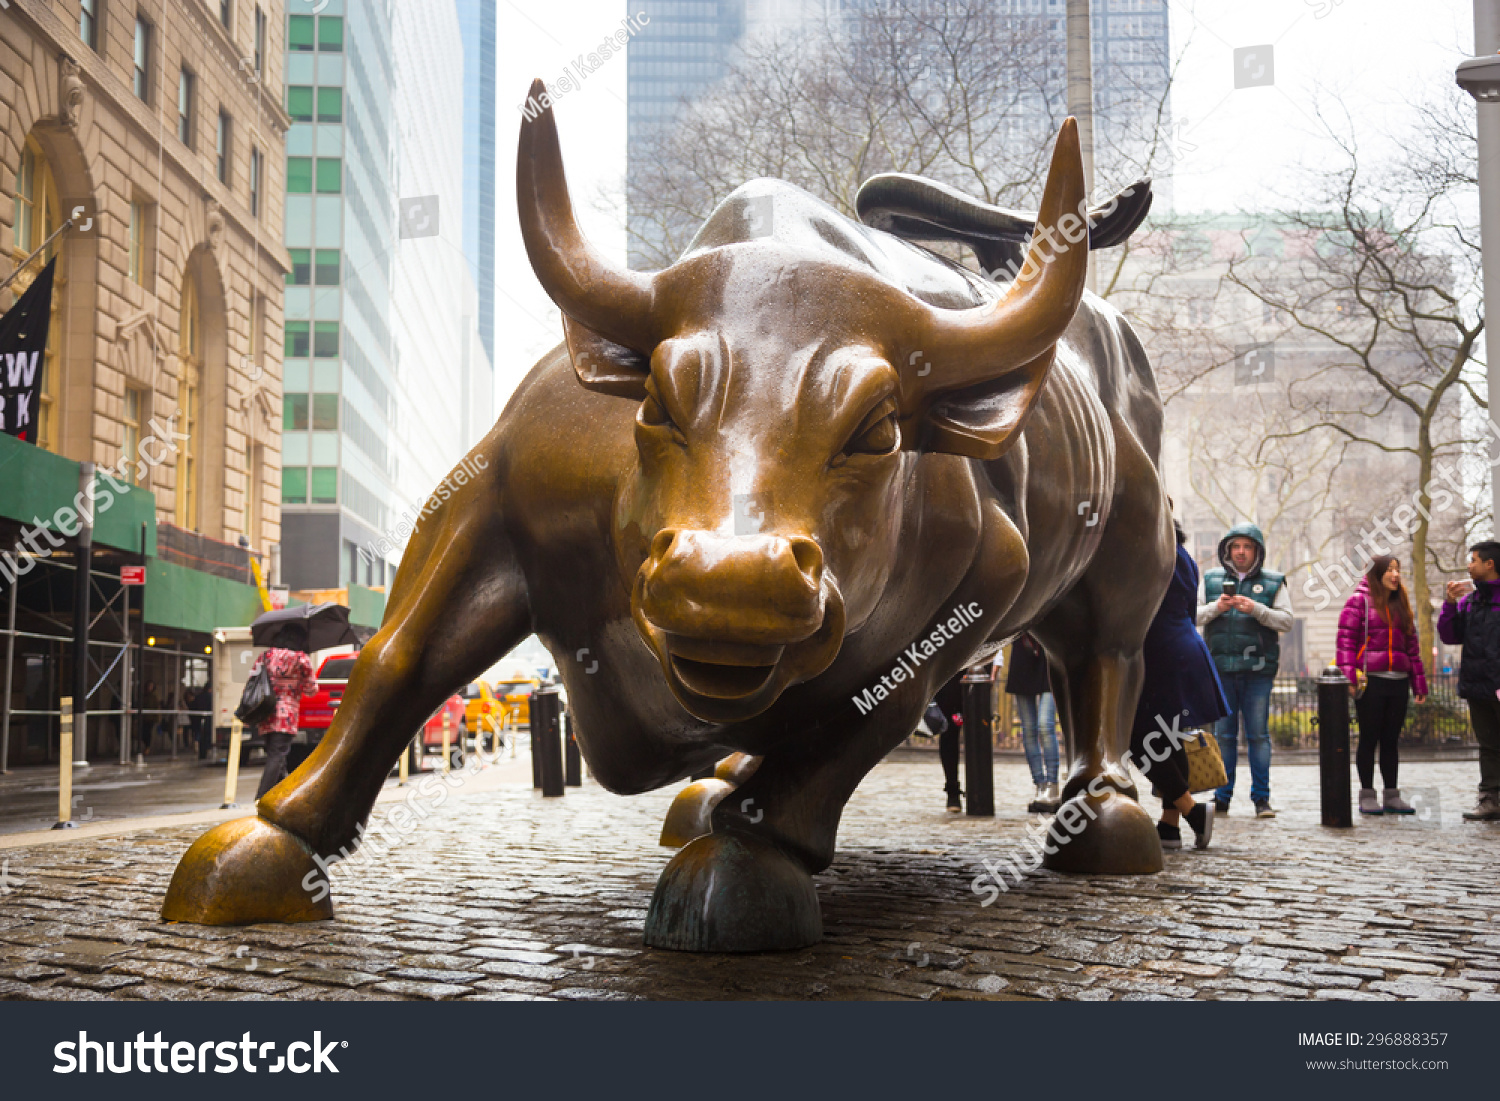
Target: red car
316,711
432,732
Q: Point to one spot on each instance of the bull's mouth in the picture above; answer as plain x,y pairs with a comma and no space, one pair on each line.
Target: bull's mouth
721,671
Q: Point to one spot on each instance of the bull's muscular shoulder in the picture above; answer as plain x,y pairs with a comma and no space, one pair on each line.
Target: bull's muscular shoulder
563,448
766,208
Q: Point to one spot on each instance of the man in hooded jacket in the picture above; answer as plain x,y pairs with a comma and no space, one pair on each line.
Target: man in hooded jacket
1243,634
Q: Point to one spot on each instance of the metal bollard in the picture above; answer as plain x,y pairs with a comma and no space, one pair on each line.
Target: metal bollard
65,769
405,764
572,758
979,745
546,740
446,719
232,776
1333,748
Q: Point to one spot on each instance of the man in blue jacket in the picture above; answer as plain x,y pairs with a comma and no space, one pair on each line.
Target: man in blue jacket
1243,634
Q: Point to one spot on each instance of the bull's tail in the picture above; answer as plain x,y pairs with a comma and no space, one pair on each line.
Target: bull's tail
919,209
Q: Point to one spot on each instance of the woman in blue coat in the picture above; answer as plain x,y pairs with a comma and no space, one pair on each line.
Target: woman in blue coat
1180,692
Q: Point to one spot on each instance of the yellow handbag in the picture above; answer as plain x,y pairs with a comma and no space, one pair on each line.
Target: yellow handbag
1205,765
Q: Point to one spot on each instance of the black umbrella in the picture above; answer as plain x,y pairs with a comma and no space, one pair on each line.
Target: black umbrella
307,627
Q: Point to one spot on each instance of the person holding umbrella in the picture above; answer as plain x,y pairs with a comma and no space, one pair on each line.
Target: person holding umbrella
290,634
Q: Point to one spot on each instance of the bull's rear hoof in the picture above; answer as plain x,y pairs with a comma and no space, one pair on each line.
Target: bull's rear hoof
690,814
1120,839
730,892
247,871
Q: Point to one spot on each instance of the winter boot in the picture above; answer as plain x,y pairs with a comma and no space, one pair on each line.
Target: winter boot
1394,804
1368,803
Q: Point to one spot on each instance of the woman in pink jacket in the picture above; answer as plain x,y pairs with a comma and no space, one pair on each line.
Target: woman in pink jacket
1377,645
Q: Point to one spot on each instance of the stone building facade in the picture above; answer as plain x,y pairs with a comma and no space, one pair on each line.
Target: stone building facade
161,125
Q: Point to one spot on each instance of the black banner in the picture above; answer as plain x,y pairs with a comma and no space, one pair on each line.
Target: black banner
23,342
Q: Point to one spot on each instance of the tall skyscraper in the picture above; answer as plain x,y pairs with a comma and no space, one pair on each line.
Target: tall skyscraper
381,315
478,22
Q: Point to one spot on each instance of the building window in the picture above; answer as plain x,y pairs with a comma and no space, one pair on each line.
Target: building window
36,219
299,33
299,102
88,23
136,412
255,182
226,14
189,398
331,34
299,173
294,485
222,146
325,412
330,175
298,339
260,40
141,81
326,273
185,92
325,485
138,243
301,273
331,104
294,412
326,339
258,334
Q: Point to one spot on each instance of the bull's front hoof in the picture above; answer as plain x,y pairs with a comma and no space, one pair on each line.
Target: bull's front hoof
730,892
1119,839
247,871
737,768
691,812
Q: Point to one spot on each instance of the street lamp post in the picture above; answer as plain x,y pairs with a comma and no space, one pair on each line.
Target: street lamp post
1480,77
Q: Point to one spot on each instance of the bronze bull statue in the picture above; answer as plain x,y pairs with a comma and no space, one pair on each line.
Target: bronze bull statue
774,496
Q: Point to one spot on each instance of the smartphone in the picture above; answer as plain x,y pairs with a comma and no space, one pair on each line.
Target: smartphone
1231,586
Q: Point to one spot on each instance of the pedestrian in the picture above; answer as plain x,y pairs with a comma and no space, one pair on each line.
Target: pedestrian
950,700
1244,609
1473,622
291,678
1180,690
149,719
1379,653
201,719
1029,682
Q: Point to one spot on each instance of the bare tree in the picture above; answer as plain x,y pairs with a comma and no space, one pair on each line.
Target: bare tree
1384,289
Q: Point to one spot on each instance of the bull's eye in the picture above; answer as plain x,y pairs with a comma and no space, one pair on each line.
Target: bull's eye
878,434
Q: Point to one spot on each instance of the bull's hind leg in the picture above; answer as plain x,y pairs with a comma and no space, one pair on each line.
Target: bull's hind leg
458,603
1094,637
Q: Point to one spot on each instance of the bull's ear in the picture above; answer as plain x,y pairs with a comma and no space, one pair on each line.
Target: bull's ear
984,420
605,366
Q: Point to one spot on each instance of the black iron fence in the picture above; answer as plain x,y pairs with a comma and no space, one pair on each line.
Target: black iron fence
1442,720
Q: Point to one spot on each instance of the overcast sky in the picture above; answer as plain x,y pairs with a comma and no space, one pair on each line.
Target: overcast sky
1238,147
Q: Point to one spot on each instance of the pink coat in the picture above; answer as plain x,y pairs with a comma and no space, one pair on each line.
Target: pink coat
1369,643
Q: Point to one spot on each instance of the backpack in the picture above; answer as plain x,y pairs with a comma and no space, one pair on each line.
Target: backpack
258,700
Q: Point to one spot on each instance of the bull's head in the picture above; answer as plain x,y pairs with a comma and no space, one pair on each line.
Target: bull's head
782,399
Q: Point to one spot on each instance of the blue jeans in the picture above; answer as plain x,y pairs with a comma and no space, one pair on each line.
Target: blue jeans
1039,735
1249,696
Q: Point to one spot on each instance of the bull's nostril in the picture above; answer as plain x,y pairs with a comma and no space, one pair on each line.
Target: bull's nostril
809,558
662,543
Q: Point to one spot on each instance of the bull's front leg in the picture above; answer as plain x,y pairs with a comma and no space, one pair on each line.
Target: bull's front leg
457,604
747,886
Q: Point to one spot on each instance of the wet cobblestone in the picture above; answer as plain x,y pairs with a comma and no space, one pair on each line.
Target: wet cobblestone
503,895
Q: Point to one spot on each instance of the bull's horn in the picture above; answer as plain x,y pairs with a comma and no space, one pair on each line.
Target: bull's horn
614,302
979,344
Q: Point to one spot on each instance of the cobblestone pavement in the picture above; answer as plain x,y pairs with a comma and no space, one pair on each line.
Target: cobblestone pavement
502,895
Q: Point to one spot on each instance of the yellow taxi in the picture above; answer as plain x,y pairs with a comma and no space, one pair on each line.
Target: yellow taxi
516,695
